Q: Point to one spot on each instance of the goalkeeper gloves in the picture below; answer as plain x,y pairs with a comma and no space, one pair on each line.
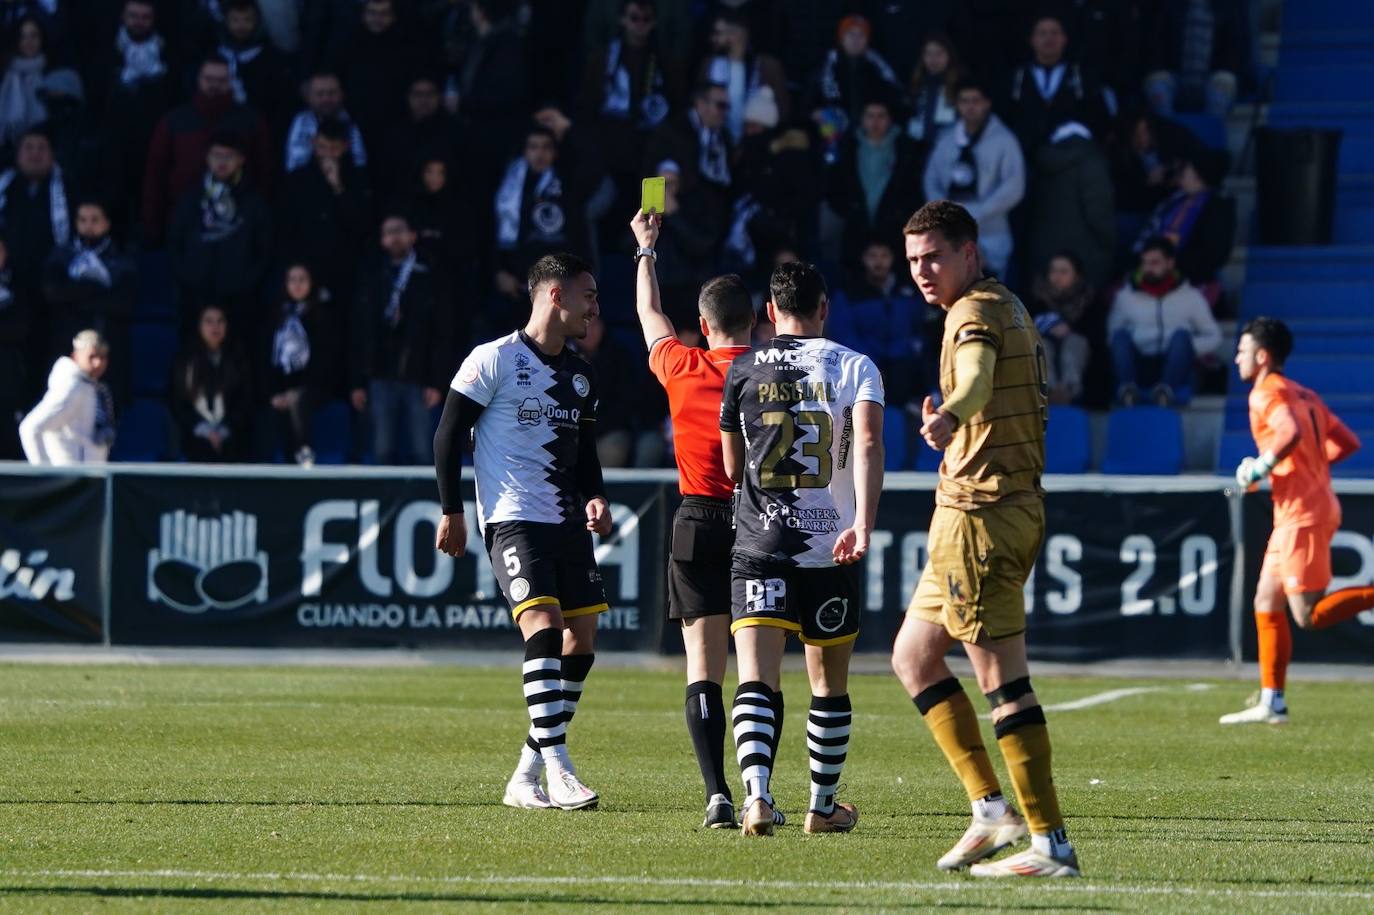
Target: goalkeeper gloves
1254,469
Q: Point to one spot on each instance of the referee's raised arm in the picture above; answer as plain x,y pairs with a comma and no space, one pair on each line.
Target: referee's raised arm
652,320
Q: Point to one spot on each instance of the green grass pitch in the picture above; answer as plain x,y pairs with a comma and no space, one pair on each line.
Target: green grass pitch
179,789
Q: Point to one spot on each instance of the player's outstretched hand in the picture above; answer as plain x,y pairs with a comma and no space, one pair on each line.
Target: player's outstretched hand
598,516
451,537
936,428
646,228
850,546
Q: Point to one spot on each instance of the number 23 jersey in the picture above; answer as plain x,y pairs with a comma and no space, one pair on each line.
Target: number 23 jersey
793,401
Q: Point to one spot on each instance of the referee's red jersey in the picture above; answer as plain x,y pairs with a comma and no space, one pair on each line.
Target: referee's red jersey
694,379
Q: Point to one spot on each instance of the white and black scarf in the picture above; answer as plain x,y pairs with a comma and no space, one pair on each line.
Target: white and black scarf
547,216
963,177
713,161
238,57
300,140
104,433
57,203
718,71
830,79
88,263
653,107
398,289
219,211
291,344
142,59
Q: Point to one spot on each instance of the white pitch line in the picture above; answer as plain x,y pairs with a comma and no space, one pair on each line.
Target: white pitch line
1112,695
1086,886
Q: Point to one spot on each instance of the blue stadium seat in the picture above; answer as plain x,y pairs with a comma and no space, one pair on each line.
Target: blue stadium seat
927,458
1208,128
1068,441
145,433
1303,265
1339,299
156,296
331,432
894,439
1233,448
616,289
154,348
1144,440
1361,463
1328,83
1331,374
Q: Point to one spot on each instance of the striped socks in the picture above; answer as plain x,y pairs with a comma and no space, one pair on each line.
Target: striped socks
827,740
572,677
543,687
755,726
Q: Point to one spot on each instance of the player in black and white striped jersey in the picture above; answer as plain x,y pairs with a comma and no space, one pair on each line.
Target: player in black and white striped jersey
801,432
531,402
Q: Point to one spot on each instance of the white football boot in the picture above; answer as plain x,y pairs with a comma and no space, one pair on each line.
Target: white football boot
983,839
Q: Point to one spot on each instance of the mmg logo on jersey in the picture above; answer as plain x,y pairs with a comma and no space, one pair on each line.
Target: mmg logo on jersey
795,357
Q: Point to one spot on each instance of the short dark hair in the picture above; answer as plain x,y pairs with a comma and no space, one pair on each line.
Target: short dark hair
231,5
1272,336
40,129
642,4
395,212
213,58
1162,245
973,84
797,289
553,267
539,130
725,303
332,128
229,139
948,218
1072,257
704,87
92,202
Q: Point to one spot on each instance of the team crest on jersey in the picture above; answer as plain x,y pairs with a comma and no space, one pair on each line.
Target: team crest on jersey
956,589
522,370
581,385
469,373
830,615
519,589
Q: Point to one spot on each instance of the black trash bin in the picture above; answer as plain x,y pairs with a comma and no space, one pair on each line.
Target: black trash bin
1296,183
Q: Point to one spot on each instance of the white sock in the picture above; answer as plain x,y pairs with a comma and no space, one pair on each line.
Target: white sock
557,757
1055,844
992,807
531,763
1273,698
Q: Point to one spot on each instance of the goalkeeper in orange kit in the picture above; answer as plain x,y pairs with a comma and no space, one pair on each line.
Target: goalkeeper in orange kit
1298,440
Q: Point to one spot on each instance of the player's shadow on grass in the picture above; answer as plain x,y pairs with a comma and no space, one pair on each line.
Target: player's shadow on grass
146,892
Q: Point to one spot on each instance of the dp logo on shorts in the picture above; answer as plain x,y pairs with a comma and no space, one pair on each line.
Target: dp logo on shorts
207,563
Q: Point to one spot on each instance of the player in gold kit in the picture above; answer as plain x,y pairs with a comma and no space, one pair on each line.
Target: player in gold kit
985,535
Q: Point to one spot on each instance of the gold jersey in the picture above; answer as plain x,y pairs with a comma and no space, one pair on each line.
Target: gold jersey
997,455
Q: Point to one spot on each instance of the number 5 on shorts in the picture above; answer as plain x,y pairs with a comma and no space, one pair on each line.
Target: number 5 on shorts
512,562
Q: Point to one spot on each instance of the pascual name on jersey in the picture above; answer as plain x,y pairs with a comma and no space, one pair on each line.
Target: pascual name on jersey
793,401
527,437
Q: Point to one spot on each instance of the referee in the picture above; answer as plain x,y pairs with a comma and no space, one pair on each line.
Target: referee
699,560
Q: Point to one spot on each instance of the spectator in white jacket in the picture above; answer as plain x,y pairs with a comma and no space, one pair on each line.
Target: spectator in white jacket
74,422
1159,325
979,165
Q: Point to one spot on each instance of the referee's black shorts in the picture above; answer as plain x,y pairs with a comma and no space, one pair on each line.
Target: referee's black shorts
699,560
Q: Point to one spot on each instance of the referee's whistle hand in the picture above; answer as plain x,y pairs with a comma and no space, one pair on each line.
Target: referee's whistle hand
850,546
451,536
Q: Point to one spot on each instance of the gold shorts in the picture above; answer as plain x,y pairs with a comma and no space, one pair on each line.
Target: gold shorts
979,562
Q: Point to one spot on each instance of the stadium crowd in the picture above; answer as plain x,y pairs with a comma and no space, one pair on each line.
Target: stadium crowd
346,195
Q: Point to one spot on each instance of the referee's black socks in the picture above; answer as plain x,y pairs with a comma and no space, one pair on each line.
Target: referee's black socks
706,724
